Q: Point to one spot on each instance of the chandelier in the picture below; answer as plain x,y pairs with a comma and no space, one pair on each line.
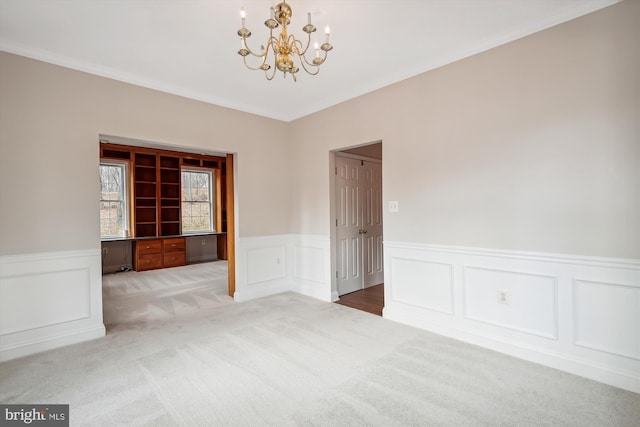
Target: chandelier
286,49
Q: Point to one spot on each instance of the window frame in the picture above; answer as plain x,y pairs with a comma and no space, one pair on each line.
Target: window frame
125,200
212,200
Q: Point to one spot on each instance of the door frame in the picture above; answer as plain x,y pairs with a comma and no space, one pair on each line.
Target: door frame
332,207
231,223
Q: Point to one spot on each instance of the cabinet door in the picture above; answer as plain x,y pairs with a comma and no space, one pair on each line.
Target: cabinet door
149,262
174,245
174,259
146,247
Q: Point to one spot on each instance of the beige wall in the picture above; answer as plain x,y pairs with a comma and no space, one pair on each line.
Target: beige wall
50,119
530,146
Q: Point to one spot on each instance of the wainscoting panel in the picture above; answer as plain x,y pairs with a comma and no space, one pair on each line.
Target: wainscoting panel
49,300
45,306
521,301
574,313
598,327
311,266
262,266
426,284
266,264
288,262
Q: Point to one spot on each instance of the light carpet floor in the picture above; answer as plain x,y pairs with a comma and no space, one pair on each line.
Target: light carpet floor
179,352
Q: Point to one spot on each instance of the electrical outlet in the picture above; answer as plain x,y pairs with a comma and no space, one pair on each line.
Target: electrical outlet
204,242
105,251
394,206
502,296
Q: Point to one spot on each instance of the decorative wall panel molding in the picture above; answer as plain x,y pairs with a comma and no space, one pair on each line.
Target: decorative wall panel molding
597,327
311,273
266,264
575,313
49,300
428,284
289,262
529,305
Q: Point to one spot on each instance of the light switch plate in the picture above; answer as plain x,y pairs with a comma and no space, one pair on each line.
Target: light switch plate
393,206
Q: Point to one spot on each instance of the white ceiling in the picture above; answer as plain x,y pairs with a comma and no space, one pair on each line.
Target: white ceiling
189,47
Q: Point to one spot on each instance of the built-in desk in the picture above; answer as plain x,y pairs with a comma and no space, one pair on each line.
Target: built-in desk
147,253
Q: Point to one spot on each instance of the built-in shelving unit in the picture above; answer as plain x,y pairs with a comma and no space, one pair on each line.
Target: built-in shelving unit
170,224
145,179
155,181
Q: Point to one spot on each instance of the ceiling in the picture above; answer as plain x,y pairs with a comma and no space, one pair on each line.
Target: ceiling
189,47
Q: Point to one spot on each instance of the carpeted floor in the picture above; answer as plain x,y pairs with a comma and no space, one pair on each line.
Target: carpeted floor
180,352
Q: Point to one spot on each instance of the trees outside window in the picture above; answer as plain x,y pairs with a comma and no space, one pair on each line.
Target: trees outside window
197,196
113,199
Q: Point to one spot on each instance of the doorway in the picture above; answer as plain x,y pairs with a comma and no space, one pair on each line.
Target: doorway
358,218
159,209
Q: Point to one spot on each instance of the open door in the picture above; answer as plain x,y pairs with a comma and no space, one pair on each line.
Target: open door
358,224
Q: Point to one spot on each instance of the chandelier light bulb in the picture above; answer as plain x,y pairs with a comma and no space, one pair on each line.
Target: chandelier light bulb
243,16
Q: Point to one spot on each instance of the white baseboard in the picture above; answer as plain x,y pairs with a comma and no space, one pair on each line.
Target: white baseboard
49,300
577,314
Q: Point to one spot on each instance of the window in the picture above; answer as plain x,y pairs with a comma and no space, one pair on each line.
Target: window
197,196
113,199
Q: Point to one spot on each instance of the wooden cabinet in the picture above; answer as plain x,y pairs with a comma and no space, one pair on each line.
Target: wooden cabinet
159,253
173,252
148,255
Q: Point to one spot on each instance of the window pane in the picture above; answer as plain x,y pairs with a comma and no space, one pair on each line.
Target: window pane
113,212
197,195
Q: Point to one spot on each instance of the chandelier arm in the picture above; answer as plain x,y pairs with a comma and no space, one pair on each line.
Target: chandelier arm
266,74
293,43
253,68
273,42
313,73
313,63
296,47
273,71
308,43
264,57
246,46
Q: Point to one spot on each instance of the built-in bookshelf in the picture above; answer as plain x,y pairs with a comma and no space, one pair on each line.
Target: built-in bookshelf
145,179
156,186
169,196
155,194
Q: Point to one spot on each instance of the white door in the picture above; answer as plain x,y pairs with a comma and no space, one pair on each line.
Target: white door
358,224
372,224
348,225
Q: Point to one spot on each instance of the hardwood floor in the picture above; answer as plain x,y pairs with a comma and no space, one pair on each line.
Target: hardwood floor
370,299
